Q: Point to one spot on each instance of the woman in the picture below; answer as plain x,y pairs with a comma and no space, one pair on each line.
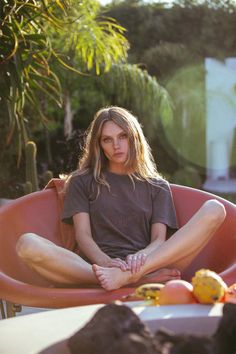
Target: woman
122,211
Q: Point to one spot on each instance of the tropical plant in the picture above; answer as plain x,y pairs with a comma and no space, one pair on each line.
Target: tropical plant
24,62
34,36
131,86
27,48
125,85
94,44
39,37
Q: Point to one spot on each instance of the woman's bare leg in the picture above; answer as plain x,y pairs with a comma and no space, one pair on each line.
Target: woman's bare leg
178,251
54,263
65,267
162,275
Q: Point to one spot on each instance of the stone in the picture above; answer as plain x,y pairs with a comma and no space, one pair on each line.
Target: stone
114,329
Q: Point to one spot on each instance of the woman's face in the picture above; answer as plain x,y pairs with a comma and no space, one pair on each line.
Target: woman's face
115,145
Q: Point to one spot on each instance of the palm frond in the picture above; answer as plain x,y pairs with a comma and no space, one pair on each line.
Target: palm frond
136,89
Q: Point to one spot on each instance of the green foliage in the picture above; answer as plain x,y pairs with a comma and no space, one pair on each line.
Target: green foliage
165,58
36,38
25,50
31,165
187,176
27,186
35,33
125,85
47,176
172,42
94,41
40,38
166,38
131,87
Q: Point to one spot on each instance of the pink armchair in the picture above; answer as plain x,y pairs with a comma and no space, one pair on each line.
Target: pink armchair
39,212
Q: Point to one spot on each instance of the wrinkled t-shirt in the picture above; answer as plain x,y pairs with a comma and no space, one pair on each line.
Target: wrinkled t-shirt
121,217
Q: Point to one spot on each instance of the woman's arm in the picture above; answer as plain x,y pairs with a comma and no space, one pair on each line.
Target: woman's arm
89,247
158,236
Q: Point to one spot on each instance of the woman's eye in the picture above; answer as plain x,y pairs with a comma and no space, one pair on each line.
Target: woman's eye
106,140
123,136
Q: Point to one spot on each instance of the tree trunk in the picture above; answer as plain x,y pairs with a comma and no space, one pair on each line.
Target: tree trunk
68,118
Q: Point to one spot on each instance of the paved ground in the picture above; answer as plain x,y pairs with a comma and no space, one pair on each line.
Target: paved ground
27,310
30,310
220,186
4,201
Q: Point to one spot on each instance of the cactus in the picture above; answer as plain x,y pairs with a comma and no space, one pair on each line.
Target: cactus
31,167
47,176
28,187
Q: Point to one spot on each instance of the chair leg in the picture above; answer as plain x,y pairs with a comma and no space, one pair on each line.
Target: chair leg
12,308
3,314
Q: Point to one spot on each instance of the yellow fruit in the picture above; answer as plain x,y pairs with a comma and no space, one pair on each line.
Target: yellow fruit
176,292
208,287
149,291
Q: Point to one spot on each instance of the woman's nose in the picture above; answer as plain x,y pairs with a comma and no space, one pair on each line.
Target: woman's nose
116,143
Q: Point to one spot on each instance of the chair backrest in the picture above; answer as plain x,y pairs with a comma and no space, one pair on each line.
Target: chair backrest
220,252
39,212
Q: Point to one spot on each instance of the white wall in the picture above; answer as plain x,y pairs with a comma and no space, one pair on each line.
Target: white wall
220,115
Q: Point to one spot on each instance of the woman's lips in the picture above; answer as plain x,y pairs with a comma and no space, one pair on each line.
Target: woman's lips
117,154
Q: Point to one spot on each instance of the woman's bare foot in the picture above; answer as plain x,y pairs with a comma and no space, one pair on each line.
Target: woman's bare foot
112,278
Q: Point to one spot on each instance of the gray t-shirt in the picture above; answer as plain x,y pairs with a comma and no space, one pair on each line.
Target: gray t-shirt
121,218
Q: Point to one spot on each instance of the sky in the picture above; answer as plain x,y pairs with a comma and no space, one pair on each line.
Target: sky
104,2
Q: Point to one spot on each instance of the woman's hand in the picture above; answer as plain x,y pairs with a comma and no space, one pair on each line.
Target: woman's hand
136,261
118,263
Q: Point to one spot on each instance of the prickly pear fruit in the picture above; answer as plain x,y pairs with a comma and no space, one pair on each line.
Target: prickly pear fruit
208,287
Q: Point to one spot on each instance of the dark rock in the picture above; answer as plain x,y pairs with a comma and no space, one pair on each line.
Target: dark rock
225,335
172,343
114,329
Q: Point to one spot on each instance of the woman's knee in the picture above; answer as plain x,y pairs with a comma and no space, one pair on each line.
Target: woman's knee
214,211
27,247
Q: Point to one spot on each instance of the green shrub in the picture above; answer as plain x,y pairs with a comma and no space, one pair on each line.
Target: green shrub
187,176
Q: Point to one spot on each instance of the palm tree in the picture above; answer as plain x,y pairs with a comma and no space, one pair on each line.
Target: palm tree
32,34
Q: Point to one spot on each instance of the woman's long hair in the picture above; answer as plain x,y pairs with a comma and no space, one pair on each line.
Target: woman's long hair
140,163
